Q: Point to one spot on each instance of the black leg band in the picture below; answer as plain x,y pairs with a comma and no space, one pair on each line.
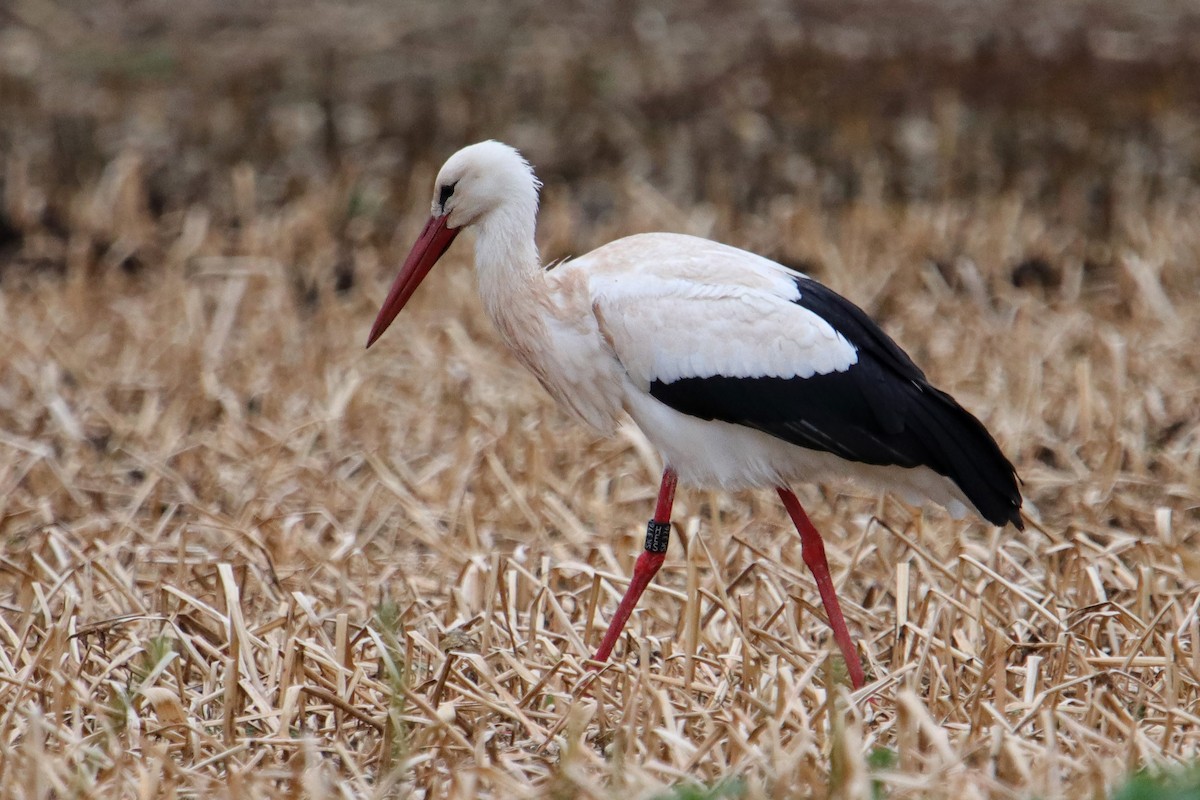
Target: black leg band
658,535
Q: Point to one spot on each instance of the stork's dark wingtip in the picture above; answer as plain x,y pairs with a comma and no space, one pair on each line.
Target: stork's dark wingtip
1015,516
1002,518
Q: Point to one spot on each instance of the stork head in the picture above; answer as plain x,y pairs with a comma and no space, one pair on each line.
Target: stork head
476,185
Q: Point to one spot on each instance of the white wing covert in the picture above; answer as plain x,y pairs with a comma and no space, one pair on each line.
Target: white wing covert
709,311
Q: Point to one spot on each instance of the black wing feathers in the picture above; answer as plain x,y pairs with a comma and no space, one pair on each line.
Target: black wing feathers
882,410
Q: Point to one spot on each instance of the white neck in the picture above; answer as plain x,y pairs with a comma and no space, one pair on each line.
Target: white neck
508,267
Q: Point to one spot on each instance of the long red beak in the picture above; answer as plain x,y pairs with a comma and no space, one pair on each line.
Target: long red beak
428,248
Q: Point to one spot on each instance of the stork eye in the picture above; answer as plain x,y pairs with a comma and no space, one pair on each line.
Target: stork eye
445,193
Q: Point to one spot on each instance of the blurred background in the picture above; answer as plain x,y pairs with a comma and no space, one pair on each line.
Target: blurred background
720,107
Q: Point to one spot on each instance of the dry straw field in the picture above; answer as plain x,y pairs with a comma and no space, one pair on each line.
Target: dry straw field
244,558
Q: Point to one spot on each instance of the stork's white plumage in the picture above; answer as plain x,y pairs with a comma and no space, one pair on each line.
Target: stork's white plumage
742,372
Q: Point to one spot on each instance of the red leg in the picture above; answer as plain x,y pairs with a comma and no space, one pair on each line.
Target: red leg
813,551
657,536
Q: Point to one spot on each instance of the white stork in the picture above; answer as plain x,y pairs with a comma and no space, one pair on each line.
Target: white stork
740,371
